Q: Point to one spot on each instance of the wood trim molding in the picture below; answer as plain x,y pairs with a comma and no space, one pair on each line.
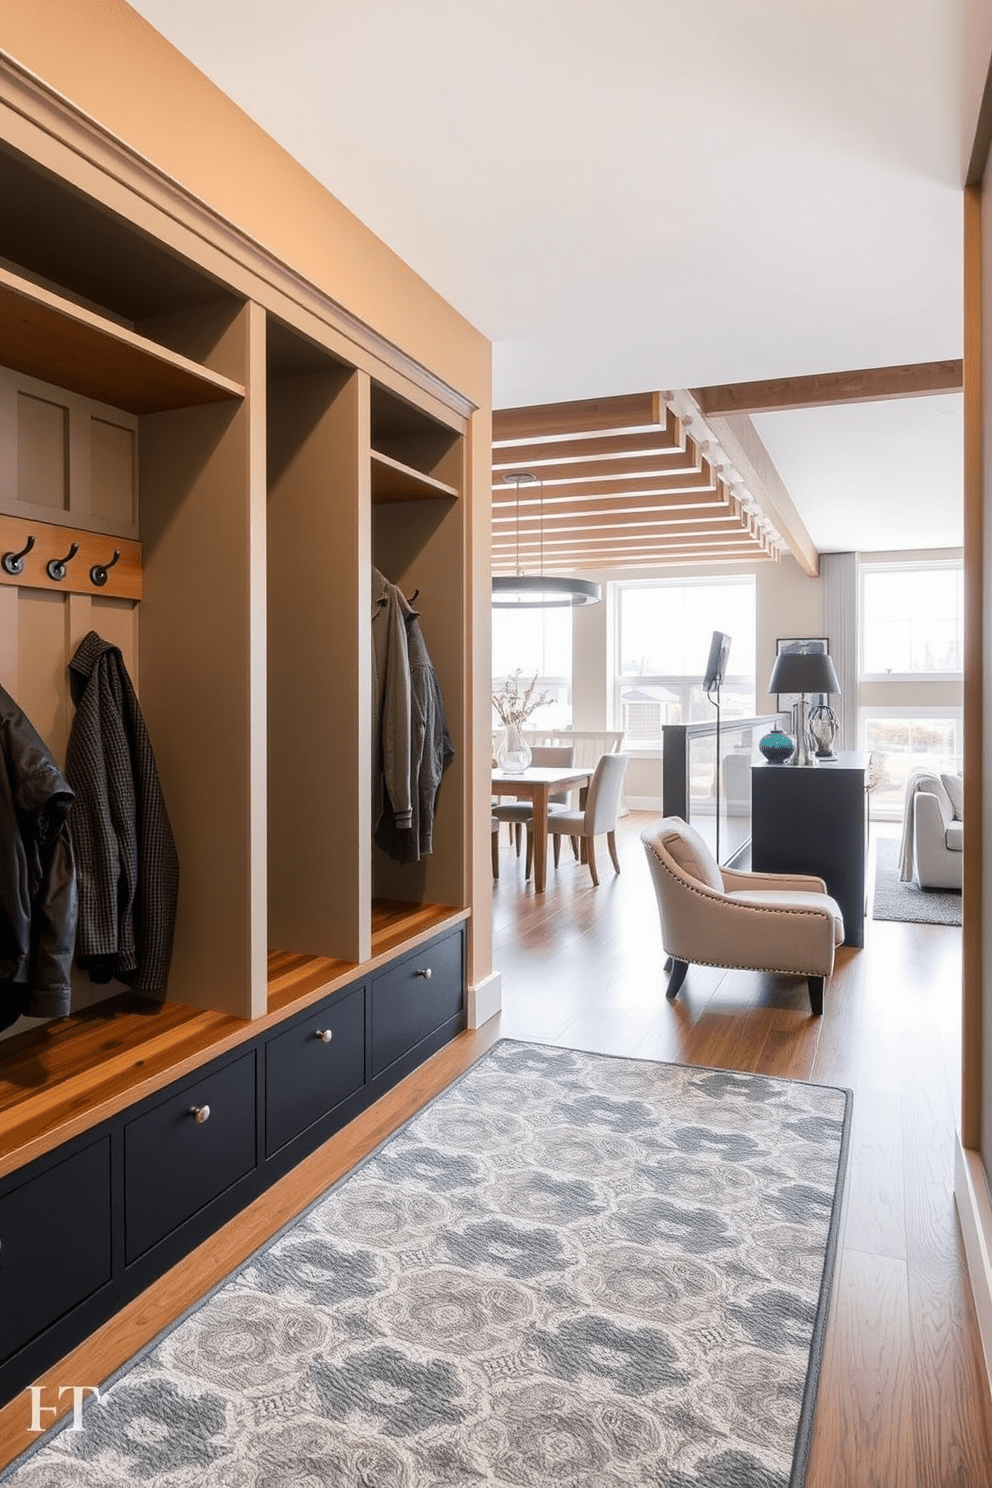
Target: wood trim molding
971,1197
867,385
973,1076
34,100
739,440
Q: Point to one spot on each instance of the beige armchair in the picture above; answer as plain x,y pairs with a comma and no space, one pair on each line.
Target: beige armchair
724,917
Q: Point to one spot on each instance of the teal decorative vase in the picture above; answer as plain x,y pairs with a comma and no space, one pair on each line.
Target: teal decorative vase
776,747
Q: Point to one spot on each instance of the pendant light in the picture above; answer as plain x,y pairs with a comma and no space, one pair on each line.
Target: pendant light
539,591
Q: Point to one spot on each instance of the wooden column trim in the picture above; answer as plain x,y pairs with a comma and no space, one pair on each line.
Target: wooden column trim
974,664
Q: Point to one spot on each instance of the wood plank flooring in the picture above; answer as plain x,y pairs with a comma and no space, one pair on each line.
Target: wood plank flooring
903,1401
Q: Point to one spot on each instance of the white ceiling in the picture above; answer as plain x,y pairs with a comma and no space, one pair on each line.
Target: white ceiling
658,194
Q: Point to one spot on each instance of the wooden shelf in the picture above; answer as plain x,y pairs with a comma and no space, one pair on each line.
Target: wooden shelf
62,1078
48,337
394,481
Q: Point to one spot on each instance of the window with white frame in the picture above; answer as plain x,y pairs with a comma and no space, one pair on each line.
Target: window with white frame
912,646
904,739
912,620
538,643
663,629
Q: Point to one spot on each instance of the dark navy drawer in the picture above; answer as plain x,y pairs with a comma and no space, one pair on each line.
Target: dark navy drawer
416,997
313,1066
54,1244
175,1163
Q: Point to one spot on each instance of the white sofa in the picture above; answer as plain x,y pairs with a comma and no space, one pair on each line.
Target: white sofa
933,831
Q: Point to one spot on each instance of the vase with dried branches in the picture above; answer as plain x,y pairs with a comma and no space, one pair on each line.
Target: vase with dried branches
513,704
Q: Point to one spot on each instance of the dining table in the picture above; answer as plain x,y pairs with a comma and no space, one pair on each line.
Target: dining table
537,784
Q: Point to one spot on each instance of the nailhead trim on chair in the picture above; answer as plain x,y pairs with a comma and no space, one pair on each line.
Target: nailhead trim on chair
694,888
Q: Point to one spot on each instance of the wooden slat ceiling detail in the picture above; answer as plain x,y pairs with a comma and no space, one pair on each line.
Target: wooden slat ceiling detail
619,484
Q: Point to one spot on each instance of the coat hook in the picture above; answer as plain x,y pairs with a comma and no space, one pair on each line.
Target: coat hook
56,568
13,563
98,573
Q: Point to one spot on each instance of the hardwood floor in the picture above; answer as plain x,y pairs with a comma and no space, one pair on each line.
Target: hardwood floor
902,1401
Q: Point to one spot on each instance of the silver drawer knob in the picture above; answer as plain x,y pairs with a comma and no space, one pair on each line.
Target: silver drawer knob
325,1035
200,1114
425,972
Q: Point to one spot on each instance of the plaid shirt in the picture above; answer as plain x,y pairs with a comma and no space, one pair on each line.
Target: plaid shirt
126,862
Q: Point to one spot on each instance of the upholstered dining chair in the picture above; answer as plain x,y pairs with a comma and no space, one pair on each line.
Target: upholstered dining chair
783,922
518,814
598,816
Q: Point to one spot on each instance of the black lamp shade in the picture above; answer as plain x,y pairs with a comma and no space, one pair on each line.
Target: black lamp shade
797,671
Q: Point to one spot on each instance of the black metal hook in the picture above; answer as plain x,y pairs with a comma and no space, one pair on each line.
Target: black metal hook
98,573
56,568
13,563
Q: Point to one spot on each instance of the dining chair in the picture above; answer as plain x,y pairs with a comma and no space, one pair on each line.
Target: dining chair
518,814
602,806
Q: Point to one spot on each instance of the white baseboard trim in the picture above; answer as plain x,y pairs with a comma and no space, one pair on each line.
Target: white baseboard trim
971,1193
644,803
485,999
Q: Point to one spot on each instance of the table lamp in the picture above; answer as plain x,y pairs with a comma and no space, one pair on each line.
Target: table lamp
803,672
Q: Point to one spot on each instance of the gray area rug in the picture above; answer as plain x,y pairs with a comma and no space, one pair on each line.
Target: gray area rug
569,1269
907,901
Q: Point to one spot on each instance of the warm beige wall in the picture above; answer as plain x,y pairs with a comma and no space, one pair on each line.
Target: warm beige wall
110,62
790,604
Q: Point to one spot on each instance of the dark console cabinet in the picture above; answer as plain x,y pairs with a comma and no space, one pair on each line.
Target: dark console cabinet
813,819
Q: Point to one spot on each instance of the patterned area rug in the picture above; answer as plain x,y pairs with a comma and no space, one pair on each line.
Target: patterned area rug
569,1269
895,900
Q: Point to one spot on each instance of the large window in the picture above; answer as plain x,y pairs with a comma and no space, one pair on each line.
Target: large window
663,631
911,650
901,741
912,620
538,643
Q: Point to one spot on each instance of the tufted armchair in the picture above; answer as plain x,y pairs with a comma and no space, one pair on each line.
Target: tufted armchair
724,917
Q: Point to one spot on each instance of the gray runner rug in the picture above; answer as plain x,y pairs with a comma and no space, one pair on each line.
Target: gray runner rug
569,1269
895,900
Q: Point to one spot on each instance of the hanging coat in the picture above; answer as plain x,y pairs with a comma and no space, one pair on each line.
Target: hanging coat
391,703
37,878
430,751
126,860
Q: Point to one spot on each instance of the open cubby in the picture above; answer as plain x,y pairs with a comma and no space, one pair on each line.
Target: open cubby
166,383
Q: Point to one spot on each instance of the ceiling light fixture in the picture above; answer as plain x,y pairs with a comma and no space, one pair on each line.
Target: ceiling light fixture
539,591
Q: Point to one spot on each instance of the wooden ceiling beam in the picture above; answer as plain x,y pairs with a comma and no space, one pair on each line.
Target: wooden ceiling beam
532,547
582,416
642,442
530,541
566,546
739,441
666,462
698,503
661,558
867,385
698,481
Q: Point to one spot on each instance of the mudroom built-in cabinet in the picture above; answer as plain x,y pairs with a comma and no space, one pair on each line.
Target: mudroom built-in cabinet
227,453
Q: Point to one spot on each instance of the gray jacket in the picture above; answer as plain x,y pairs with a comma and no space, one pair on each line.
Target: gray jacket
430,752
391,704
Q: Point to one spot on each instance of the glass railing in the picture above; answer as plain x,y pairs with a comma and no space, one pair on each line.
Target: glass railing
706,779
